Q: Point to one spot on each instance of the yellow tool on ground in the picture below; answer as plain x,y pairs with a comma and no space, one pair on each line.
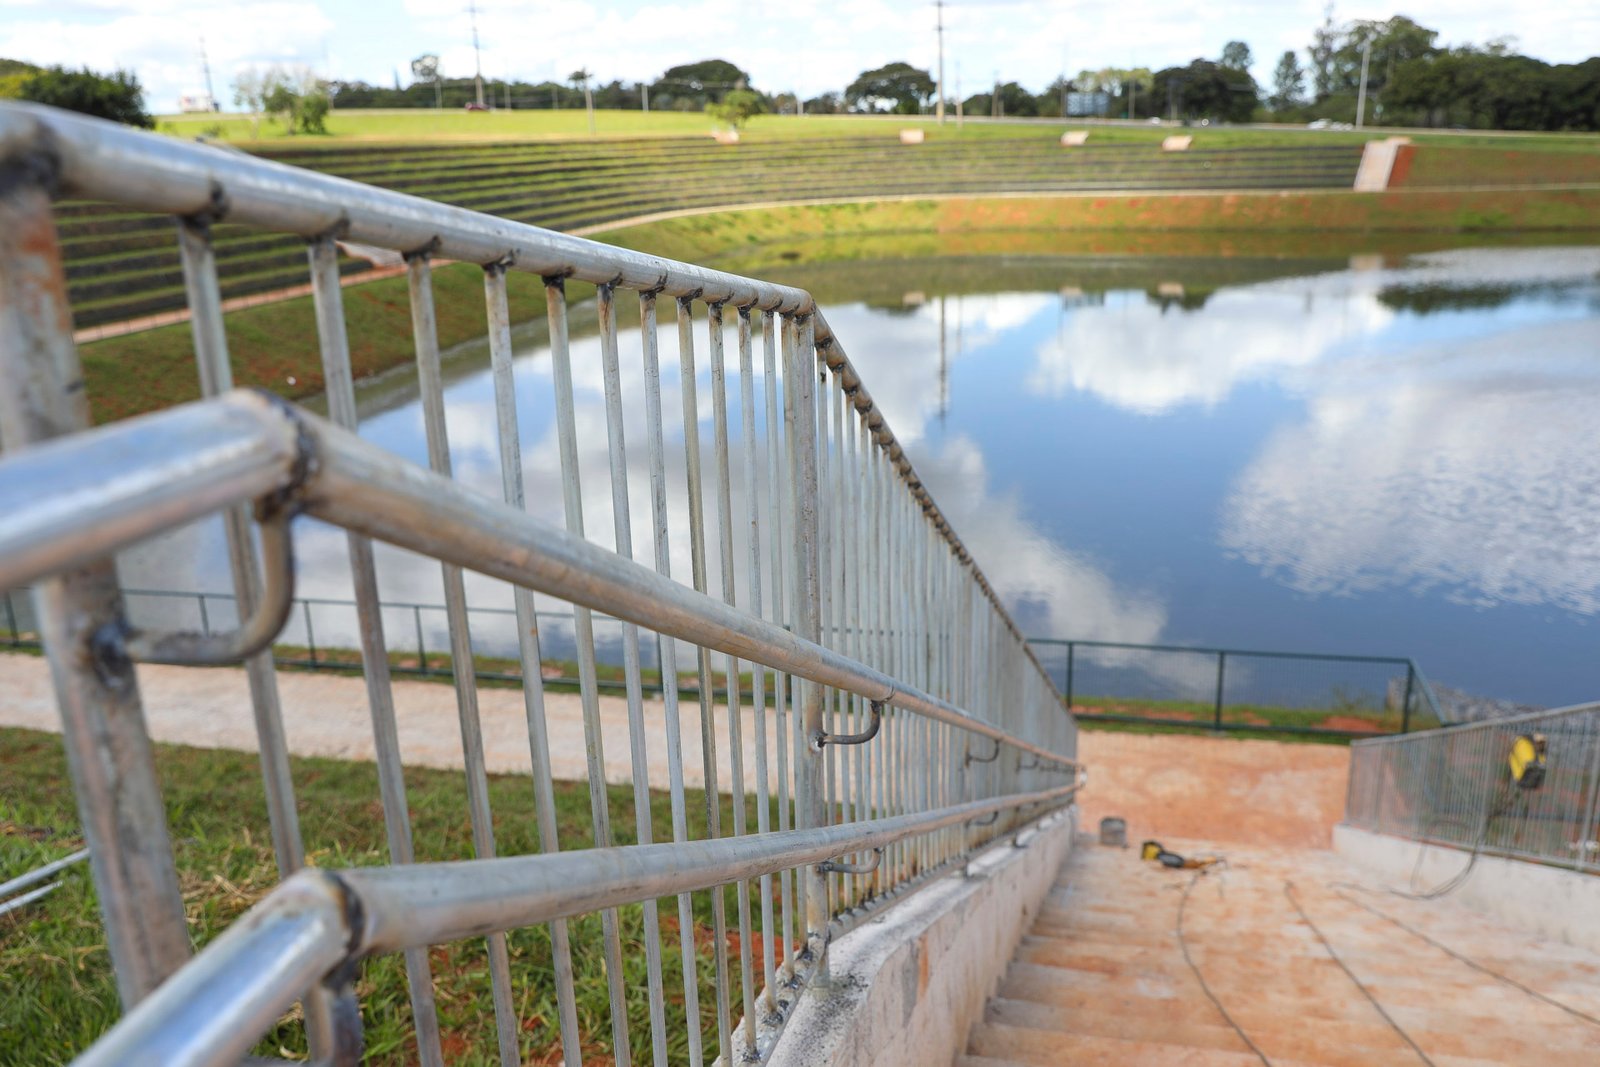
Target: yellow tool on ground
1154,850
1527,761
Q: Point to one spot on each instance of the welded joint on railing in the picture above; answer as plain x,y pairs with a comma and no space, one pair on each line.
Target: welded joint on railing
215,211
822,738
425,252
38,165
835,867
337,232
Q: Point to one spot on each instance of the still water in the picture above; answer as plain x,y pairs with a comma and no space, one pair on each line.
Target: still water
1386,455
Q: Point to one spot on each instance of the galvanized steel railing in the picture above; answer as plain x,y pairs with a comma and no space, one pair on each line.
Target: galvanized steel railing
1454,787
898,711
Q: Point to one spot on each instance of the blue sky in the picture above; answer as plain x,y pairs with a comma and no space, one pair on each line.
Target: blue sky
537,39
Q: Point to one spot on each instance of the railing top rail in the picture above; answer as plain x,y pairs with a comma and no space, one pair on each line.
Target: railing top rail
88,157
1454,729
1336,657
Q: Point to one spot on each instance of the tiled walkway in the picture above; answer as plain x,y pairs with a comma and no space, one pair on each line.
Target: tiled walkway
1101,977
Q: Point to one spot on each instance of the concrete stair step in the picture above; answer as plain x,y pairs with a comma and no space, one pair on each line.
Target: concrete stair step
1210,1033
1047,1048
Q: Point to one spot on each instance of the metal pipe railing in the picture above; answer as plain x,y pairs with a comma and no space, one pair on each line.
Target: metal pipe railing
1299,687
883,649
1453,787
319,921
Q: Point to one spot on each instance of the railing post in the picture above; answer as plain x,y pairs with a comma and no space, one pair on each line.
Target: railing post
11,621
1071,648
205,619
1222,666
311,637
1405,706
80,613
801,379
422,651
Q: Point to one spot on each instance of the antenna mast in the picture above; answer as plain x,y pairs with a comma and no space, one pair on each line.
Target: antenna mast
477,53
205,68
938,6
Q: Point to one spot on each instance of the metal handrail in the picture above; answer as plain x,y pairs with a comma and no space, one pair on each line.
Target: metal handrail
1453,787
320,921
334,475
875,609
1416,683
92,158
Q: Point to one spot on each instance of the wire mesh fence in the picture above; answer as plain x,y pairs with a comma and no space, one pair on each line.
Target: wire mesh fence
1457,787
1239,689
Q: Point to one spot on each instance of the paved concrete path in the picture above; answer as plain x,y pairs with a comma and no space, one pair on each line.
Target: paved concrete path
326,715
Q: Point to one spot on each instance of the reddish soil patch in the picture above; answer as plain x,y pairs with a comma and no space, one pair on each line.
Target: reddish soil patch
1351,724
1216,789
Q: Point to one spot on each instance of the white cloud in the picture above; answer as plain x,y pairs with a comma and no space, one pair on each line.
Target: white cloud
1450,471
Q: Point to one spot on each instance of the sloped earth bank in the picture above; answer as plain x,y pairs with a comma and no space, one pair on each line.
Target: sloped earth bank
1218,789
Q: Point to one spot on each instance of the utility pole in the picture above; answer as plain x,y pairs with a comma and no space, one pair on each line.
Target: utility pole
995,110
1361,94
205,67
961,118
644,91
476,51
938,109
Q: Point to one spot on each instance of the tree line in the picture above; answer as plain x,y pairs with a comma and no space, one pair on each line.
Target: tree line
1411,80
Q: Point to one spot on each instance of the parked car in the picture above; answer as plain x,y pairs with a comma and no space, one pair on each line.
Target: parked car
475,106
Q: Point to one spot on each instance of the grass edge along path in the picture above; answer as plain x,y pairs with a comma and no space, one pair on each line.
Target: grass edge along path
273,346
59,992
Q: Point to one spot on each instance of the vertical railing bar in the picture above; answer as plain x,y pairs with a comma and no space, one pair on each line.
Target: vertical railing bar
803,465
199,263
510,446
623,529
708,725
430,389
198,260
824,504
311,637
721,448
776,509
327,299
422,650
668,656
583,628
758,682
791,586
850,639
108,748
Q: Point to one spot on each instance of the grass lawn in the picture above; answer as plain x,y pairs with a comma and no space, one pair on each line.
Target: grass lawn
59,993
421,125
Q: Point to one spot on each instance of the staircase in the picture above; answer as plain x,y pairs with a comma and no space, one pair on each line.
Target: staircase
1101,977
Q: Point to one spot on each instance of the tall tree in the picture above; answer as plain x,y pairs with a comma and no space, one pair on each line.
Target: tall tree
703,82
896,87
1204,89
116,96
1236,55
1288,82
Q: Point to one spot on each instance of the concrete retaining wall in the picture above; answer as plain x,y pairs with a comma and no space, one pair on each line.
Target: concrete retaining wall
907,986
1549,901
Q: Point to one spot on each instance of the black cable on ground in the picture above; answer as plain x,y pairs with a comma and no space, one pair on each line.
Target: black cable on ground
1288,891
1204,988
1474,964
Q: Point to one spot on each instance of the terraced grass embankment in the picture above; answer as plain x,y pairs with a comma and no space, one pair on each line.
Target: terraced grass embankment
124,264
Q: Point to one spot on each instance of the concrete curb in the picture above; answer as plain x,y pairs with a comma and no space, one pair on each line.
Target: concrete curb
906,987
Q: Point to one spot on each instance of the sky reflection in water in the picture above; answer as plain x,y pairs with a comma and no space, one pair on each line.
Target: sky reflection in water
1394,459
